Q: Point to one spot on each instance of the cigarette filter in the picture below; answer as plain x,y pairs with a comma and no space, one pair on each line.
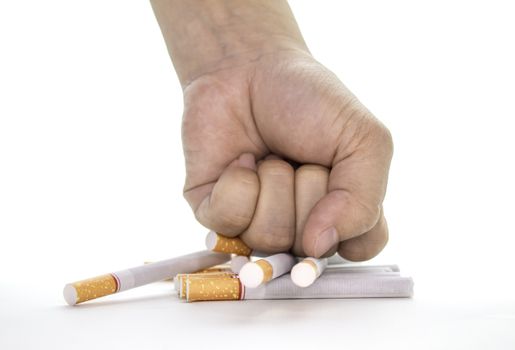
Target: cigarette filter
252,274
218,268
218,243
181,280
307,271
221,287
96,287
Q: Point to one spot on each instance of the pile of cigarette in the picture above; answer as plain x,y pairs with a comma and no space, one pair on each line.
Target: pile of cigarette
227,271
281,276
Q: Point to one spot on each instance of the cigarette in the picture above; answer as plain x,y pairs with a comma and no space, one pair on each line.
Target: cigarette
96,287
253,274
217,268
335,286
181,279
219,243
327,286
337,260
220,287
307,271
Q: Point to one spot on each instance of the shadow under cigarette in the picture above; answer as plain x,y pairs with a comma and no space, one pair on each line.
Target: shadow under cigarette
123,301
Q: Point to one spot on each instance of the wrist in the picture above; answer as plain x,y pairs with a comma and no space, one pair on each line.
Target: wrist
207,36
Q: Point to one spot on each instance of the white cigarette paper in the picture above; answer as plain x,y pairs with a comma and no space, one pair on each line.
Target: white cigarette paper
365,268
237,262
252,274
307,271
335,286
361,269
119,281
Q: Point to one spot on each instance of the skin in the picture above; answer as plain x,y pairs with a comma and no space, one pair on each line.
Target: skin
256,102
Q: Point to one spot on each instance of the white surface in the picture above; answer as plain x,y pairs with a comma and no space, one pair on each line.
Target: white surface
153,318
91,176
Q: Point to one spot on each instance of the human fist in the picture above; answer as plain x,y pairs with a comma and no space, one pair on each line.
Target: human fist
282,109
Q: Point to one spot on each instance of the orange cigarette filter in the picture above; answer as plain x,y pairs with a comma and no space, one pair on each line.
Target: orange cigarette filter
221,244
93,288
213,288
182,280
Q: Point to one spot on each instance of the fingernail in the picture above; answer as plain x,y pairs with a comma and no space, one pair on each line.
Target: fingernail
325,241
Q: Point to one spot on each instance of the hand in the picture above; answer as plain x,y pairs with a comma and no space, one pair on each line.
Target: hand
280,101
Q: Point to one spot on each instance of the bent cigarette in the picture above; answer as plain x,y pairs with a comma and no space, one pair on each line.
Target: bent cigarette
307,271
253,274
96,287
219,243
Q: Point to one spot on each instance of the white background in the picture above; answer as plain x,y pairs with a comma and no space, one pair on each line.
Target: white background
91,175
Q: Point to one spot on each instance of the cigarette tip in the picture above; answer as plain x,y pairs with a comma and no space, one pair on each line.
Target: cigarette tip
211,239
251,275
70,294
303,274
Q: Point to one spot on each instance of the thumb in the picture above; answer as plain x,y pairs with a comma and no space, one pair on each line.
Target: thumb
356,189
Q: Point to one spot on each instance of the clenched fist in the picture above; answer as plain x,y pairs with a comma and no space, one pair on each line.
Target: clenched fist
278,151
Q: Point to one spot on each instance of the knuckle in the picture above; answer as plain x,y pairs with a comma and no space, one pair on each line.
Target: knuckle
361,214
358,250
246,177
368,215
386,139
353,253
382,136
268,242
366,246
231,222
278,243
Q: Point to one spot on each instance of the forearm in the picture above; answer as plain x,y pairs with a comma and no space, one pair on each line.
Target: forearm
208,35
